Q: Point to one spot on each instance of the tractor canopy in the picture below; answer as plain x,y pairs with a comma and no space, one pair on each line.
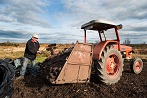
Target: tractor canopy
100,25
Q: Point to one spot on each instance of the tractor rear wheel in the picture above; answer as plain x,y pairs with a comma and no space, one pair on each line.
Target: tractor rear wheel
136,65
110,66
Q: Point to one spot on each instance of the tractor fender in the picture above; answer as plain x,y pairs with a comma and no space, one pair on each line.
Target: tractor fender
97,51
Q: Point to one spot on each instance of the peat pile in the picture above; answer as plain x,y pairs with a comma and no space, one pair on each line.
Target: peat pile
52,66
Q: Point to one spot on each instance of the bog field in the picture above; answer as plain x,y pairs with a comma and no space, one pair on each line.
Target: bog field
129,86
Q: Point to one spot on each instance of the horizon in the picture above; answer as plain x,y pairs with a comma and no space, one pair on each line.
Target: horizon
72,43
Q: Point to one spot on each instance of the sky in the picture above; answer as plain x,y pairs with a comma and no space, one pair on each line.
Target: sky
59,21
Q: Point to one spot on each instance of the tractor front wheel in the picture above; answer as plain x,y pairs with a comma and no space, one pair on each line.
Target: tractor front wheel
136,65
110,66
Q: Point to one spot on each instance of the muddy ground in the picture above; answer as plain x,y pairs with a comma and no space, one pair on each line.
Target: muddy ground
130,86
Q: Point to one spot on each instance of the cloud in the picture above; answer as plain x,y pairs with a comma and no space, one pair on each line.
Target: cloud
12,36
132,15
60,20
113,9
24,12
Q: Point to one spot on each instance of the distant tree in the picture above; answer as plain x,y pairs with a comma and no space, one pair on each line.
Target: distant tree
127,41
143,43
9,44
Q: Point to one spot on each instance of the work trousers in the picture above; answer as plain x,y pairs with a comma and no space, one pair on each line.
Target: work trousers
25,64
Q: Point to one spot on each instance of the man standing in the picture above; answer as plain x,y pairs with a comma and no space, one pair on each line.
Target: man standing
32,48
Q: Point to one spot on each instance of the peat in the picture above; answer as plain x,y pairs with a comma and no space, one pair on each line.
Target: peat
130,86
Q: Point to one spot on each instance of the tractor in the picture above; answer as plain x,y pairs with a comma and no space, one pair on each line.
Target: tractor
107,57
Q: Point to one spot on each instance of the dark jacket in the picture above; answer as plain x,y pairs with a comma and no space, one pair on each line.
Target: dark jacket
31,49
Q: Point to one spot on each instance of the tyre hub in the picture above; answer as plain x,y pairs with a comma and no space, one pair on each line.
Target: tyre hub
137,66
112,65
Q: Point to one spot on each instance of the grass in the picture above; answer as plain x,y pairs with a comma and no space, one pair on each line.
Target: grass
140,56
12,55
40,58
20,54
15,55
14,51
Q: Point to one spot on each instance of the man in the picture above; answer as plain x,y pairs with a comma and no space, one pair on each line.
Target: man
32,48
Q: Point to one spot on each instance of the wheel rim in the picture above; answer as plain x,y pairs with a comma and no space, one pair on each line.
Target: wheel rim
137,66
112,65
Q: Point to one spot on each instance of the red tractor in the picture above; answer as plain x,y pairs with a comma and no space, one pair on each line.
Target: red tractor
108,54
107,57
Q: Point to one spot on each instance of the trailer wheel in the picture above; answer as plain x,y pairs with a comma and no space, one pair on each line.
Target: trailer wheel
110,66
136,65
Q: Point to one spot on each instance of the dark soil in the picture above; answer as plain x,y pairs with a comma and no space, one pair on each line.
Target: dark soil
130,86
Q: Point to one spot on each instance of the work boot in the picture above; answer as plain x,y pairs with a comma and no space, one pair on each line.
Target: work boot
20,77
